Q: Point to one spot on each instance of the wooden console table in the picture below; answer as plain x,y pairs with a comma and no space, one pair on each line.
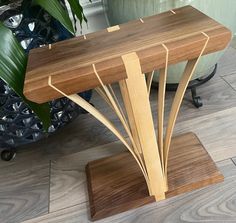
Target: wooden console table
157,165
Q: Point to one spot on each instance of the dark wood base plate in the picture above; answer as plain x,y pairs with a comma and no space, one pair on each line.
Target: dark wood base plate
116,184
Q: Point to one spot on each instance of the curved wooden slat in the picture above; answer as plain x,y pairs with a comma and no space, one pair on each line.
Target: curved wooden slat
149,80
100,117
188,72
106,99
118,103
129,111
161,105
120,115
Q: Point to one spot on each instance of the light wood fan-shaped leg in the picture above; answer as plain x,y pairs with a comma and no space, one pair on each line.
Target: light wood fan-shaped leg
136,97
186,77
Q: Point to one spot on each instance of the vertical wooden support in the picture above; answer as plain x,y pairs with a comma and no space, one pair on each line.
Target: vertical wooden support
135,89
161,105
176,106
188,72
131,120
149,81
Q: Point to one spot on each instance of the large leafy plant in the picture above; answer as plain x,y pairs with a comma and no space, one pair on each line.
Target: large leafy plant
13,59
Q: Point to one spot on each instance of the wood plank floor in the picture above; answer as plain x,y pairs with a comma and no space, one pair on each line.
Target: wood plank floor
211,204
24,190
46,181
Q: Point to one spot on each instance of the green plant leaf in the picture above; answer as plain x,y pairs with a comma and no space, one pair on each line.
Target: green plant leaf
13,61
55,9
77,10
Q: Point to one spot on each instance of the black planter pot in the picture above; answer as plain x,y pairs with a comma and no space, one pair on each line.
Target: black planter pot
18,124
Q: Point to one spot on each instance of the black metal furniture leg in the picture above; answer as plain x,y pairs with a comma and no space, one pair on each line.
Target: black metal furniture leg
8,154
197,101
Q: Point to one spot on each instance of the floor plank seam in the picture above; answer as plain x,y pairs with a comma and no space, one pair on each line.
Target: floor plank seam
49,186
228,83
232,159
69,207
225,75
218,161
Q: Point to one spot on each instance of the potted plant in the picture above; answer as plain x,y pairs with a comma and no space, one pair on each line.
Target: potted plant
26,24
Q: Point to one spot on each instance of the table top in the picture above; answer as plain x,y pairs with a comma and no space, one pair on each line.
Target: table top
70,62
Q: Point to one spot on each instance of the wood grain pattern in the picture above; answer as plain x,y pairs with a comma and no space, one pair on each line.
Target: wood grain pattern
117,180
216,131
75,214
108,187
17,206
70,62
24,191
190,166
231,80
21,175
68,178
